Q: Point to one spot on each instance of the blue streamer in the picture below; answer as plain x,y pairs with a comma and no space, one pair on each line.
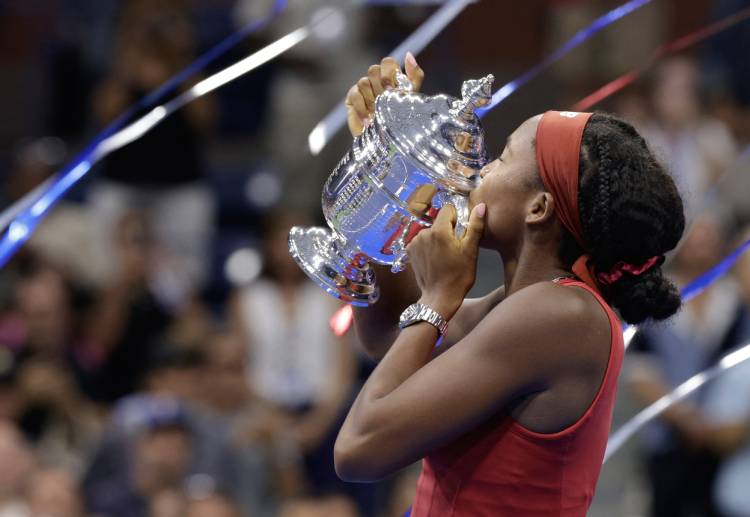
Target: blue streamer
24,224
28,219
700,284
580,37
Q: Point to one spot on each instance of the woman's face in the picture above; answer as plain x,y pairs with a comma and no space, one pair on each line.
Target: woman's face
507,185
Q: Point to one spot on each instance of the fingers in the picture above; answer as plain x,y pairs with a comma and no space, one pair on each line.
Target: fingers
476,226
413,71
446,219
421,200
356,111
388,69
365,89
360,100
373,74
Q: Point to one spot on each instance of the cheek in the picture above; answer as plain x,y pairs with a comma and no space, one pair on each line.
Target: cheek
495,190
505,207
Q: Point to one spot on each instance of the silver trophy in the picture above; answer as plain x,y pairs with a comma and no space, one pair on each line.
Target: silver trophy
417,151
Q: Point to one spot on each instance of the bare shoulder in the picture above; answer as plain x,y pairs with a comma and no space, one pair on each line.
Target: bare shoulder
546,322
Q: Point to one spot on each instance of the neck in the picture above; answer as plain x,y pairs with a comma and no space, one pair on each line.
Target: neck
531,265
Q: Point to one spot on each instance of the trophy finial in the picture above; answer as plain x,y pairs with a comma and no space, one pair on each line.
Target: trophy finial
475,93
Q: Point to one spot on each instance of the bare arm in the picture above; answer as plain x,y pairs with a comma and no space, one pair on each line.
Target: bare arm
400,414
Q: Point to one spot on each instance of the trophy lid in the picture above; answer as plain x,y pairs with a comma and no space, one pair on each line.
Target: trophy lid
442,134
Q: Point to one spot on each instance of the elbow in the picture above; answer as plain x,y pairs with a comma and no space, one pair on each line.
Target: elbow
354,464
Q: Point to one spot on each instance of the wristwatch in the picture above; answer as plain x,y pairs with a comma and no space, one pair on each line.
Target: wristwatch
417,312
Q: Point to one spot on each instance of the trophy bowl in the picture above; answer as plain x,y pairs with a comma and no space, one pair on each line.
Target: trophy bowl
417,151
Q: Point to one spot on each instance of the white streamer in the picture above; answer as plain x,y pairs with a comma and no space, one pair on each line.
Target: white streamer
143,125
635,424
419,39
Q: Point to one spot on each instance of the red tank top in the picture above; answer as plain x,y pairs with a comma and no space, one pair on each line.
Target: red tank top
501,468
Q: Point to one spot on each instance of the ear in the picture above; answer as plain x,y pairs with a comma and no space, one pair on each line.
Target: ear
540,209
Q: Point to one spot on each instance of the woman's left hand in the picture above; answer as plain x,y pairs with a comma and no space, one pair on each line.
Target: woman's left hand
445,266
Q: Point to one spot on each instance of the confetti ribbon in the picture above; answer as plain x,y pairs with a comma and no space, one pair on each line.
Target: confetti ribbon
24,216
580,37
635,424
149,101
661,52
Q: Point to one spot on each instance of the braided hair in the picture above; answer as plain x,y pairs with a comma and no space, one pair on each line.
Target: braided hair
630,211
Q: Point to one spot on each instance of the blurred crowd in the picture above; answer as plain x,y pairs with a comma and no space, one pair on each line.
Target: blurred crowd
161,354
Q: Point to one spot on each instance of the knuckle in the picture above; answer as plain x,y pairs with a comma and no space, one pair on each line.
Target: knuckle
374,69
364,82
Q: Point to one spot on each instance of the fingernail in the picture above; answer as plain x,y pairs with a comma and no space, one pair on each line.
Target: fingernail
411,60
481,208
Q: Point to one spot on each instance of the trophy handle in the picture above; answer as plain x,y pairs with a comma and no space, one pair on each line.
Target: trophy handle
331,265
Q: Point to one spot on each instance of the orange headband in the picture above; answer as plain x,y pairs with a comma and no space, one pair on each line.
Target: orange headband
558,148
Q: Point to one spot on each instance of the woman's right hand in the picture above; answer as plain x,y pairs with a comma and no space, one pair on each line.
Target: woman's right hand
360,100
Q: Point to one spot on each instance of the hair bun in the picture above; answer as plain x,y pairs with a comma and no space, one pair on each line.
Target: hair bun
650,295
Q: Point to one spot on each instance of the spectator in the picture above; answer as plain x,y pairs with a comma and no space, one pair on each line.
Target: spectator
327,506
17,462
214,505
130,477
51,318
266,450
53,492
168,402
162,172
11,402
696,147
295,362
56,371
681,467
127,318
728,428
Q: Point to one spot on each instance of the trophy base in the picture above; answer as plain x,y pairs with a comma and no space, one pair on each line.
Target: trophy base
317,253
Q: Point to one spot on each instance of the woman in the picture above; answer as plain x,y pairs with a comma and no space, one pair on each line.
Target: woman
513,419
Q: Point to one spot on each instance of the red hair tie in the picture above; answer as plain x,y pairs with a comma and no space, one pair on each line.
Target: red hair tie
621,267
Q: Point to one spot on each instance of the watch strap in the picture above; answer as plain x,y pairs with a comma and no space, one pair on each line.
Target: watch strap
417,312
